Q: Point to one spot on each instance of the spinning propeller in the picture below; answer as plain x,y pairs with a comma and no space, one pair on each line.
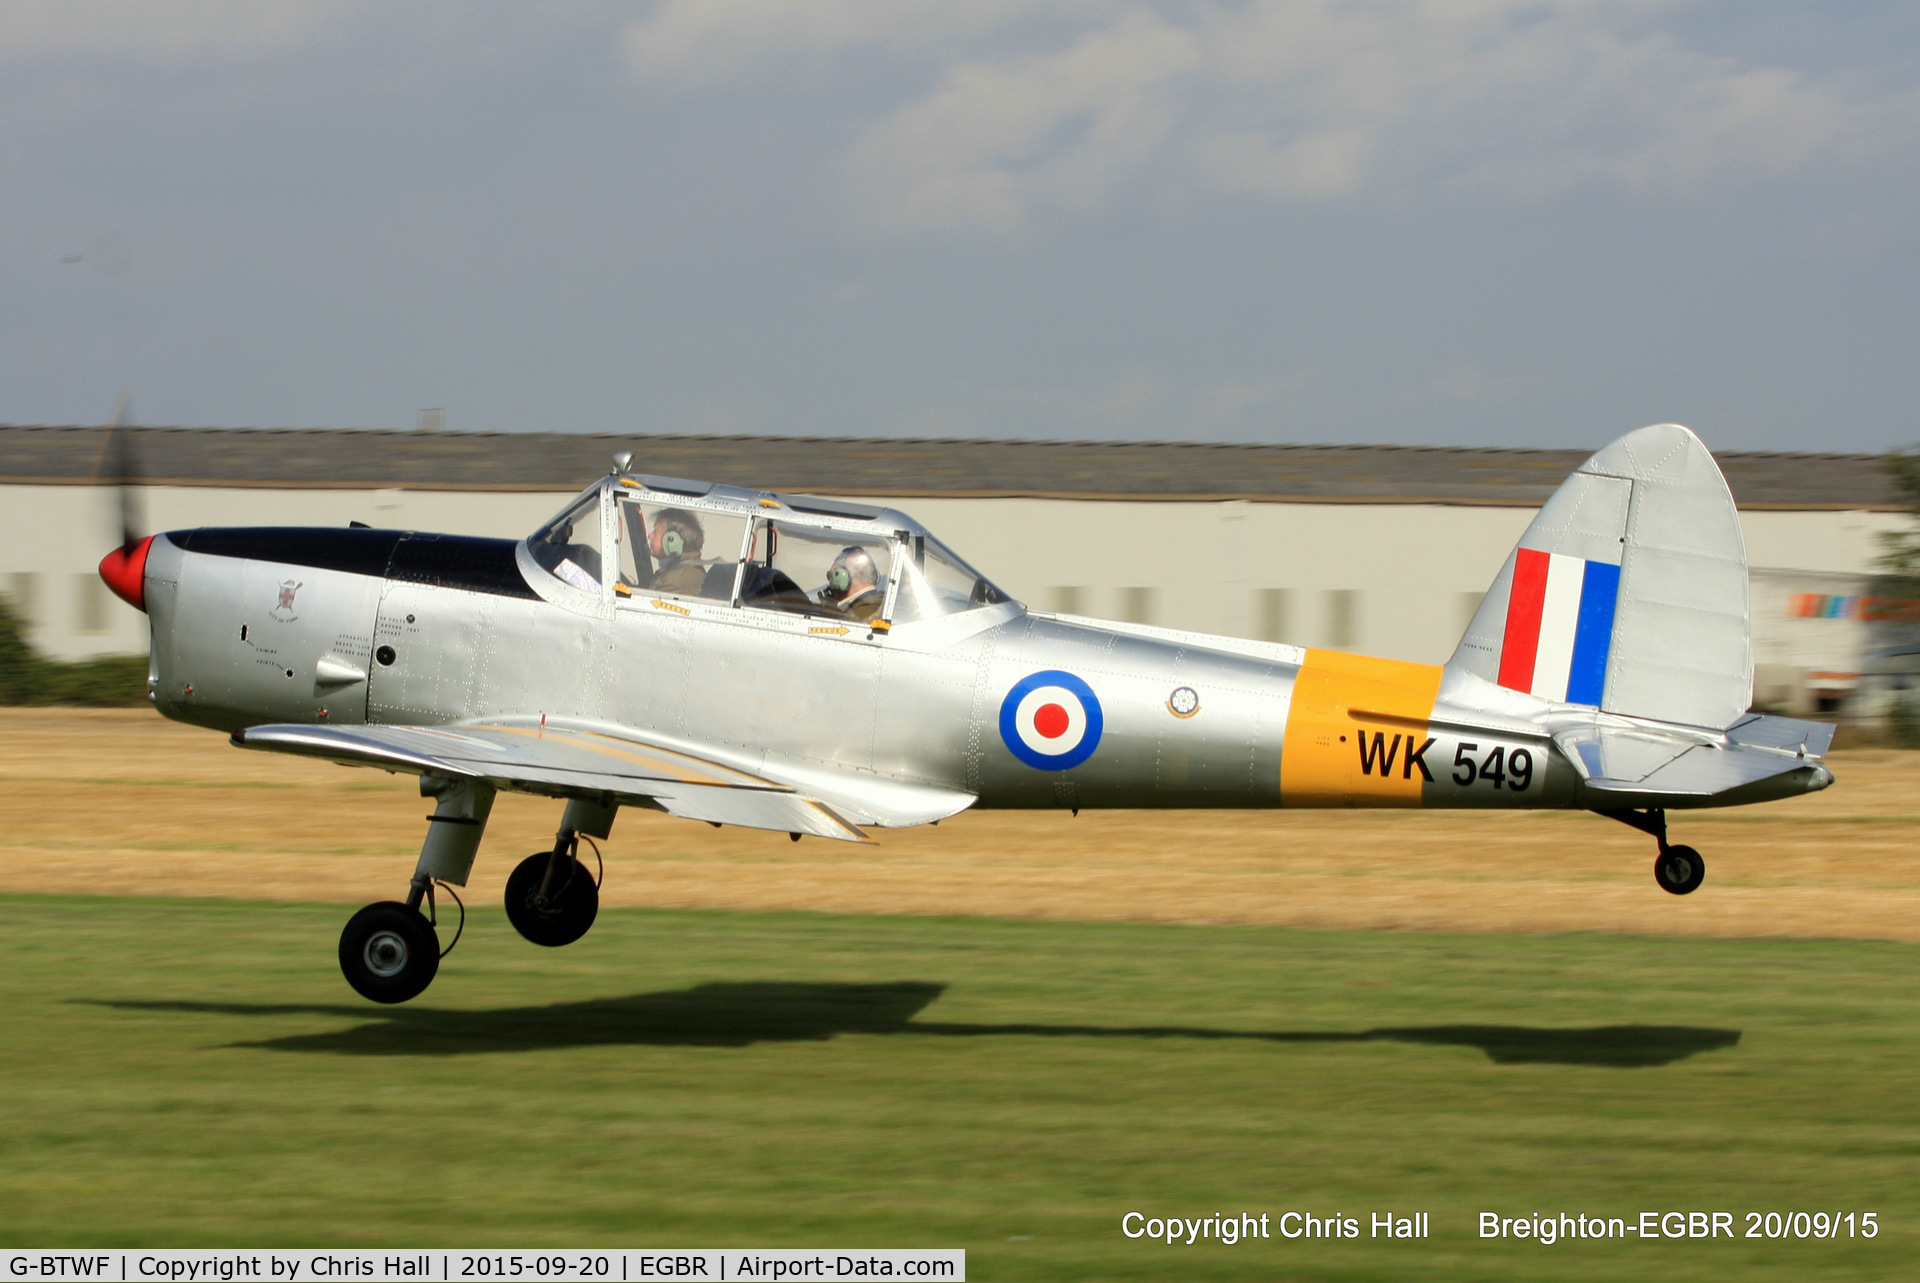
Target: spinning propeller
125,568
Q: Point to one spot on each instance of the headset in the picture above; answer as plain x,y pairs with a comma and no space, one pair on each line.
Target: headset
839,578
672,543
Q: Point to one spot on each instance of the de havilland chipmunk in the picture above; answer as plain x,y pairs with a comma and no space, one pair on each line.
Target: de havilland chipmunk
814,666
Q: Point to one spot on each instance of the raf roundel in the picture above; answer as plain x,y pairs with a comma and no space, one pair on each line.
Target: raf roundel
1051,721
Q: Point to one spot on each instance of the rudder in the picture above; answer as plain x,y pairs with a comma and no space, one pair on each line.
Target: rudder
1627,593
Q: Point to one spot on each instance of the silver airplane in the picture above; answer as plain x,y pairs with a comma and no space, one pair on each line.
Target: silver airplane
812,666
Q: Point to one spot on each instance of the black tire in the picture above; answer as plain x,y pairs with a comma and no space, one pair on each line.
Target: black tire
1679,870
388,952
564,913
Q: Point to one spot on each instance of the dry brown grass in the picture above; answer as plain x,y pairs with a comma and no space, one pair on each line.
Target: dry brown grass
121,802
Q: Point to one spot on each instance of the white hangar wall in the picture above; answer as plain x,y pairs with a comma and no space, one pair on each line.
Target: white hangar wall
1391,579
1387,579
55,535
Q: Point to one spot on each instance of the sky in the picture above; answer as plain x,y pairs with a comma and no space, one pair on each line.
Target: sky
1446,222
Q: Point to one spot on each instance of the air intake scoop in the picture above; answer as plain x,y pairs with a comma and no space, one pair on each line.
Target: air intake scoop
125,571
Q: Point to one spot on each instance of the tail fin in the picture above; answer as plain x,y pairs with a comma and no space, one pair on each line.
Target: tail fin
1628,592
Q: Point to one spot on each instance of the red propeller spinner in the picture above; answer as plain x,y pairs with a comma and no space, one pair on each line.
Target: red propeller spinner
125,570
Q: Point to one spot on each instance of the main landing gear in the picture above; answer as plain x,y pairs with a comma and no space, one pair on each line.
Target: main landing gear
1678,869
390,951
551,898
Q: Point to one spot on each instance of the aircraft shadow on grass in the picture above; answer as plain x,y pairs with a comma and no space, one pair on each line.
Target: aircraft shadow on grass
742,1014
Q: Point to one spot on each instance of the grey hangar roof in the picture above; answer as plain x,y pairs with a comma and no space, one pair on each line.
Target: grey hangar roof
886,468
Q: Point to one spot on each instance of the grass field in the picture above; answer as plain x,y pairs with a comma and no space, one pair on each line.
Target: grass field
194,1072
124,802
765,1043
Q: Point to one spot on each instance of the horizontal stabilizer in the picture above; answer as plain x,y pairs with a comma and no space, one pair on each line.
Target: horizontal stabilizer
1649,760
1783,734
1618,755
1705,771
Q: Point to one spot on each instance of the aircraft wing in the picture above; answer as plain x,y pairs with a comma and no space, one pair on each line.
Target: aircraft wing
574,761
1652,760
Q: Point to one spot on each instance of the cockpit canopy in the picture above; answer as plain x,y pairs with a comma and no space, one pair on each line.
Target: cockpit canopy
637,537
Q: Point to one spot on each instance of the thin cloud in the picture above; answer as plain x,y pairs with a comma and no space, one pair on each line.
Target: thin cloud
691,42
997,138
160,30
1329,163
1284,100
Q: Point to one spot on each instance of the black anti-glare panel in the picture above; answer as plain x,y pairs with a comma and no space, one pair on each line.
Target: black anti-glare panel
445,561
358,552
460,561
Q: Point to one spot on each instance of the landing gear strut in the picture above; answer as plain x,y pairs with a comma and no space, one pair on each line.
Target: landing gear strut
389,951
1678,869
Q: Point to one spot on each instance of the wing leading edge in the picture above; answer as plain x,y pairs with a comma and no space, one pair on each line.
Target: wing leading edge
574,761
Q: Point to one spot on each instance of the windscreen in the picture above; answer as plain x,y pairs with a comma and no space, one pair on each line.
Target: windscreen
934,582
569,545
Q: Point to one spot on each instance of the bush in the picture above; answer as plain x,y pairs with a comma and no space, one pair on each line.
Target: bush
1903,723
26,678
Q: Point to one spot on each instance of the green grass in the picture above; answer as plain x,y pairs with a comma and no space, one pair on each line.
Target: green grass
182,1073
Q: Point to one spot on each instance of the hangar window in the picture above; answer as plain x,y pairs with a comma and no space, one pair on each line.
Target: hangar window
677,551
842,574
934,581
569,545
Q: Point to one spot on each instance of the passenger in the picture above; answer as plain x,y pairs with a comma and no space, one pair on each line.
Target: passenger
854,584
675,542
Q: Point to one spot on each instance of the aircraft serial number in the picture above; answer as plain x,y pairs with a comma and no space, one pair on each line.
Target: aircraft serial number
515,1265
1500,766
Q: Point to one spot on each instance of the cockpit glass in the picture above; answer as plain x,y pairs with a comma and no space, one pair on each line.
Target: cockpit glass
837,573
569,545
934,581
677,551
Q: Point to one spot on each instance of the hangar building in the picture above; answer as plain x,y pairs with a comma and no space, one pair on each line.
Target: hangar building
1382,549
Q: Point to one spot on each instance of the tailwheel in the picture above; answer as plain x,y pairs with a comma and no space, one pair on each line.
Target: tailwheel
389,952
551,898
1679,869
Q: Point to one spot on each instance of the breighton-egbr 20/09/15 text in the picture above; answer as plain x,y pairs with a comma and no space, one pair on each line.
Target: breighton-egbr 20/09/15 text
1552,1228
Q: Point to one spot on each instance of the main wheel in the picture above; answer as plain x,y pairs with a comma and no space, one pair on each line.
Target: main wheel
388,952
564,912
1679,870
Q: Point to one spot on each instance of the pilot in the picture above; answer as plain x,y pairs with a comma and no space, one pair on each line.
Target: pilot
675,541
854,584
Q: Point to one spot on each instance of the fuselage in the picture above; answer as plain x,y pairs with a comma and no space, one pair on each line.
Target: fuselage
335,626
685,612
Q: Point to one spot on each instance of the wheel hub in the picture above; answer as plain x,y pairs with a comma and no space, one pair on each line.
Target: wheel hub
385,954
